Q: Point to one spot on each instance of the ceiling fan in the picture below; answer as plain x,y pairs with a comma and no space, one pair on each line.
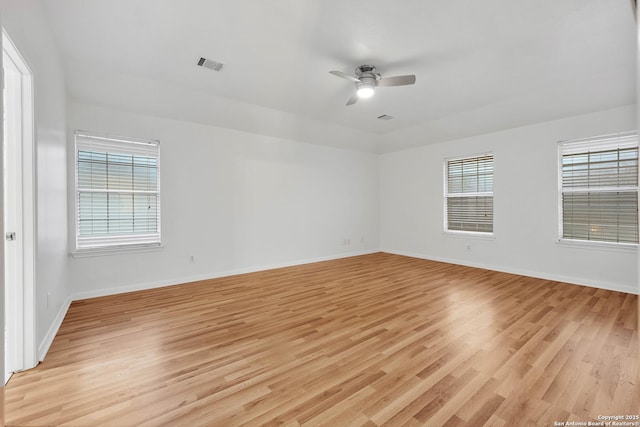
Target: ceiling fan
367,79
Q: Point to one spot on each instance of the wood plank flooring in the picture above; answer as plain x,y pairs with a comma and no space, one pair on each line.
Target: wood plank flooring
364,341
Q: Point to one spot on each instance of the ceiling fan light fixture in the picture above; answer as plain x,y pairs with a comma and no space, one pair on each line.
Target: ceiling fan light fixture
367,79
365,90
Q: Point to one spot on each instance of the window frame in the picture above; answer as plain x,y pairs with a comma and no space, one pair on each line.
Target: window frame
133,245
446,195
586,243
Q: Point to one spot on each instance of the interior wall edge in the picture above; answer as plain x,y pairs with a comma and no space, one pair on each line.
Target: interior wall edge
45,344
610,286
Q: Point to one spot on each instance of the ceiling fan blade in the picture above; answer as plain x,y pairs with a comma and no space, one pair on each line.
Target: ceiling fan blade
353,99
397,80
345,76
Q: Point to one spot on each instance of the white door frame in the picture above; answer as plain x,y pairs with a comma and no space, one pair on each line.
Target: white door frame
24,297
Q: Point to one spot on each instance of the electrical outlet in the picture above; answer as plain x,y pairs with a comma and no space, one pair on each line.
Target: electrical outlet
468,248
192,259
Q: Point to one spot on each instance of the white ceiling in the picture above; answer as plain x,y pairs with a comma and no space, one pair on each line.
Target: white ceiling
480,65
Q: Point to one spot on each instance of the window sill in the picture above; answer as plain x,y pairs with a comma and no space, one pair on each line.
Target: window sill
117,250
469,235
599,246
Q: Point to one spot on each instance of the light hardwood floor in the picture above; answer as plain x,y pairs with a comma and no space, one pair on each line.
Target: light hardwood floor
371,340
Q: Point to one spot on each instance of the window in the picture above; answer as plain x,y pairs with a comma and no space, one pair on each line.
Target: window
599,188
117,192
469,194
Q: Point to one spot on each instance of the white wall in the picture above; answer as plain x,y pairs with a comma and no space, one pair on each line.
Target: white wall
27,26
235,201
525,205
2,288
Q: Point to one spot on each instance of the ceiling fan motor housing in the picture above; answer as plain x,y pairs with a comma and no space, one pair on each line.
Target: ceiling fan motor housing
367,73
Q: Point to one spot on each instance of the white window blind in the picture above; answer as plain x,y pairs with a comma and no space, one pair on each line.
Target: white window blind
469,194
117,192
599,188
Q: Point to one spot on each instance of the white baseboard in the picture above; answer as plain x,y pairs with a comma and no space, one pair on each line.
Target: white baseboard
213,275
44,346
521,272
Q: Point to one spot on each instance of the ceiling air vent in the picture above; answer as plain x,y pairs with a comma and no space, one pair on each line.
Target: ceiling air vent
385,117
211,64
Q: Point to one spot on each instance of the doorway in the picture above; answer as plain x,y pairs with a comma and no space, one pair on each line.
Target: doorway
19,225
